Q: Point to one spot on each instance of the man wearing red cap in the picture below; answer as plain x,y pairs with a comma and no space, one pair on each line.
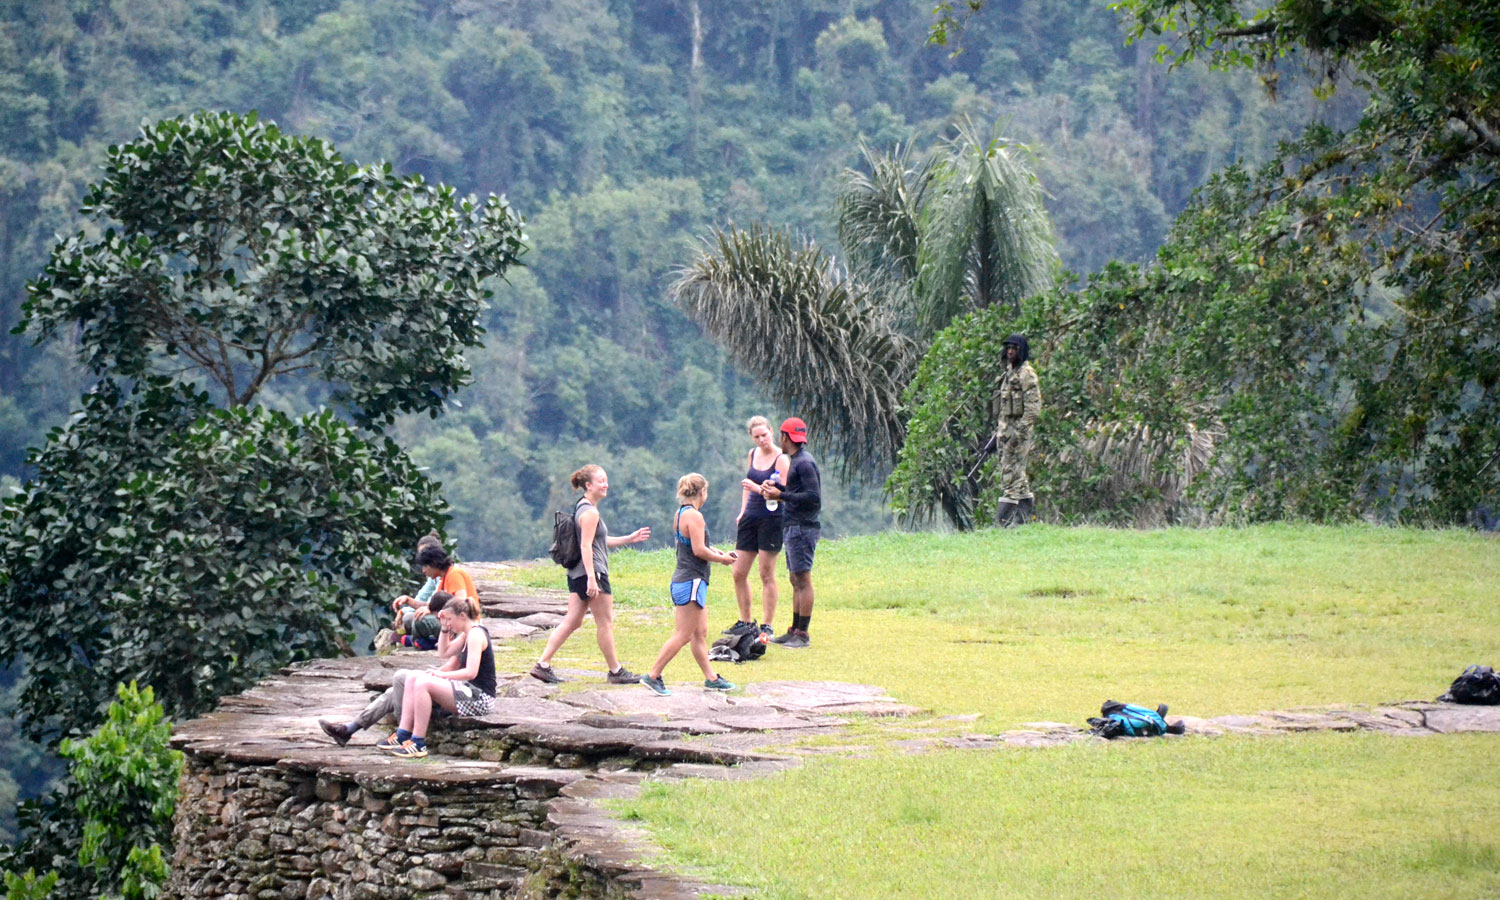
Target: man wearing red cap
801,499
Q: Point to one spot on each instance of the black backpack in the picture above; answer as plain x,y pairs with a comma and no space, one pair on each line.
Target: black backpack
565,550
738,648
1477,685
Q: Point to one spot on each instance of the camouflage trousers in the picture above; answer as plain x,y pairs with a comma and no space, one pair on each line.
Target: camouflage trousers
1015,447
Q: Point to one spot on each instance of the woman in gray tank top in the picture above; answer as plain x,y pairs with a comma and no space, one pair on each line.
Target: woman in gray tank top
588,582
689,588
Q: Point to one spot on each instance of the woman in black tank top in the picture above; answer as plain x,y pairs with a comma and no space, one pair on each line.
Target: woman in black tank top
464,685
758,540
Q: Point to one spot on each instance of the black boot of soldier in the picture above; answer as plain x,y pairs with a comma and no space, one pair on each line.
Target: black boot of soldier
1005,514
1025,511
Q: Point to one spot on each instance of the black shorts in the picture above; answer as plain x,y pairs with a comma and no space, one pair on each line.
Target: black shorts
580,586
760,534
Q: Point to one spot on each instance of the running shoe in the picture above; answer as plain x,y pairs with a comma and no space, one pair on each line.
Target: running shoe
797,640
336,730
390,744
656,685
784,637
718,684
624,676
409,750
766,631
740,627
545,673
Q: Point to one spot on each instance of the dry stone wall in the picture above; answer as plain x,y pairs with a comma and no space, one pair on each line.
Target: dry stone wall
507,806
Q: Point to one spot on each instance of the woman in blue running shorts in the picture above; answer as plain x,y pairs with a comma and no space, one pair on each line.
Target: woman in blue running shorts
689,586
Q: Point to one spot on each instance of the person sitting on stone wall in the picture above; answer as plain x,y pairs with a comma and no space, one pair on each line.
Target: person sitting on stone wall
389,703
415,624
463,686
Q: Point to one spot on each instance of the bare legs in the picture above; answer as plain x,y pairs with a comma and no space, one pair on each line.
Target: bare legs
769,594
603,607
802,593
422,691
690,627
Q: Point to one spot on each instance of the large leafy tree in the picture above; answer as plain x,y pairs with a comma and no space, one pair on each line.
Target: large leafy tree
924,240
178,533
244,254
1332,311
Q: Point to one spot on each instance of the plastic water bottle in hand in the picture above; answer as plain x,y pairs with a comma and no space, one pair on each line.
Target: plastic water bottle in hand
772,505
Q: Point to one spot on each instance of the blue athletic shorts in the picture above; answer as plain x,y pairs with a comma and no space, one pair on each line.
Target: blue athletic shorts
685,592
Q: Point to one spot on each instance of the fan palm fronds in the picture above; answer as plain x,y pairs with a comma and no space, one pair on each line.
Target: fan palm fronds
796,322
986,236
879,220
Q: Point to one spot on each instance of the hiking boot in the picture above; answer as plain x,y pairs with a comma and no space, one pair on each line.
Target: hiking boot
1026,512
656,685
623,675
409,750
389,744
740,627
717,683
1005,513
336,730
797,640
545,673
385,641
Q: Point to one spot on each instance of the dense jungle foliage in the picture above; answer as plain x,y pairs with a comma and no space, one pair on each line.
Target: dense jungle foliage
621,131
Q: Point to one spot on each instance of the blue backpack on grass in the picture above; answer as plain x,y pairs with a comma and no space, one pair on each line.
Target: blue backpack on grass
1128,720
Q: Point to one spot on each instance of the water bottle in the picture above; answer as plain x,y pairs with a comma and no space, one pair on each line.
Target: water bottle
772,505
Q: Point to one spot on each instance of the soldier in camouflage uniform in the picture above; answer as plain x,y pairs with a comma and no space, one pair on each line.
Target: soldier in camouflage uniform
1020,400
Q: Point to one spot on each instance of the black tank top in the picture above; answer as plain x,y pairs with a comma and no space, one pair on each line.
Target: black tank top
755,504
485,680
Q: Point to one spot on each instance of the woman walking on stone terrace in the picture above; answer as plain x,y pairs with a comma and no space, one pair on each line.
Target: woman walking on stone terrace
464,685
588,582
759,529
689,588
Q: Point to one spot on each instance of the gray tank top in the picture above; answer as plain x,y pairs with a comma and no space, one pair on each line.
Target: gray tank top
601,545
689,566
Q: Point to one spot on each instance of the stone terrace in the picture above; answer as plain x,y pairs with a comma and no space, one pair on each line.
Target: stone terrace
507,805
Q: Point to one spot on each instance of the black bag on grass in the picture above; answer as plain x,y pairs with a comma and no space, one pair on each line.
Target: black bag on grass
1478,685
738,648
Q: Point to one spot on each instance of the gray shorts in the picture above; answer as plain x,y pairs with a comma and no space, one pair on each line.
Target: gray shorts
799,543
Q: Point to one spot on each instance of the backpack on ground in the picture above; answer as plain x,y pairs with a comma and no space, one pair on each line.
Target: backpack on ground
738,648
1478,685
565,549
1118,719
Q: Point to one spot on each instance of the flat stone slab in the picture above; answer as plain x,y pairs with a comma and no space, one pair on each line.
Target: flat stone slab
1453,718
629,700
831,697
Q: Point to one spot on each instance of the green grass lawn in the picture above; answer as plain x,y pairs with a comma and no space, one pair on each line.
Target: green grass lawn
1045,623
1304,816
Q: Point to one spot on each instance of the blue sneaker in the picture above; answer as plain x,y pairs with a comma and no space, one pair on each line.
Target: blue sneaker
656,684
719,684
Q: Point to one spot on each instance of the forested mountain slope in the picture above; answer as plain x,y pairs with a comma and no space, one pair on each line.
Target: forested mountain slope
621,131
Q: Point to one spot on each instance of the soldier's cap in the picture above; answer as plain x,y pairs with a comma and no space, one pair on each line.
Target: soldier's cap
796,429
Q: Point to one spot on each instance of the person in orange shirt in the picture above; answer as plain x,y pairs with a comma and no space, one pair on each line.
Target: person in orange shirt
436,563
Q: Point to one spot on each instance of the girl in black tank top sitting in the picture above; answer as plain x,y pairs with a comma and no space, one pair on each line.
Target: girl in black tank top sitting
464,685
689,587
758,540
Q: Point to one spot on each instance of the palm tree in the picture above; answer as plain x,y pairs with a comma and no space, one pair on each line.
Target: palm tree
925,240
